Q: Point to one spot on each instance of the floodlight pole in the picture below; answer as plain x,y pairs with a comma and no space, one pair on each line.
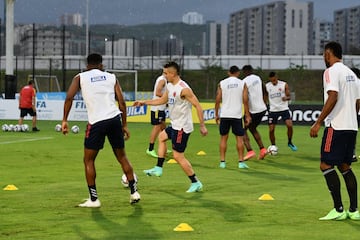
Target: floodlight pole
87,29
9,37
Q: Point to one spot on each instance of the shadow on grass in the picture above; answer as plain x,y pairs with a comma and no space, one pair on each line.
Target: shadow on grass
132,229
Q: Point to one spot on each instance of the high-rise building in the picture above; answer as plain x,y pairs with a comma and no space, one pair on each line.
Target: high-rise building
122,47
215,40
323,33
75,19
193,18
277,28
347,29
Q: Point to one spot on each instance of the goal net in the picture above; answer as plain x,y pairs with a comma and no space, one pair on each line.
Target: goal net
45,83
129,82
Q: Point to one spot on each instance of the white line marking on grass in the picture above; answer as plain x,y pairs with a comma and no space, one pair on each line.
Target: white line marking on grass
27,140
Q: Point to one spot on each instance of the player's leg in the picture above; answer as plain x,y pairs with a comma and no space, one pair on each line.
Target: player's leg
162,138
22,115
224,128
272,134
158,123
286,116
349,176
34,120
238,131
329,158
116,138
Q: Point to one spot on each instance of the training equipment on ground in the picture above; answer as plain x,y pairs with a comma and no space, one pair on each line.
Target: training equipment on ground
125,182
17,128
24,128
58,128
75,129
272,150
5,127
11,127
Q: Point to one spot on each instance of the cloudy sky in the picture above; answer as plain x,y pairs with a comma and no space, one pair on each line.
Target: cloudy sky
132,12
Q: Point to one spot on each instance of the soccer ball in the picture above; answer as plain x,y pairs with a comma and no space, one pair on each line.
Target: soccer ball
17,128
24,128
125,182
75,129
5,127
11,127
58,128
272,150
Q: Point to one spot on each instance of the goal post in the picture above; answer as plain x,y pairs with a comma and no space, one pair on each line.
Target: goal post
45,83
129,82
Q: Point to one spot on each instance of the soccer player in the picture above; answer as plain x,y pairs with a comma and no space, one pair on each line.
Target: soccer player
278,95
357,73
27,104
180,99
106,111
257,109
232,93
158,115
339,113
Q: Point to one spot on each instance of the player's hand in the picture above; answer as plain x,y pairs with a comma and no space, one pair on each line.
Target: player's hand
203,130
65,127
126,133
139,103
217,120
314,130
247,120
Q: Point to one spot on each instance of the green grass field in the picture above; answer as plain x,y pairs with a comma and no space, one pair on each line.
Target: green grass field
47,168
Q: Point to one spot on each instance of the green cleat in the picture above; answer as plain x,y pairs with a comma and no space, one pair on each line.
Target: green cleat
195,187
151,153
335,215
222,164
155,171
243,165
354,215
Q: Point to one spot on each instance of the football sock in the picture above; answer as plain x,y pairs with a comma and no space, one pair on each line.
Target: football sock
151,146
351,186
193,178
93,192
333,183
132,186
160,162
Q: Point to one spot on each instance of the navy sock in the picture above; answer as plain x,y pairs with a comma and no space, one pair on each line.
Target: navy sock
351,186
160,162
333,183
93,192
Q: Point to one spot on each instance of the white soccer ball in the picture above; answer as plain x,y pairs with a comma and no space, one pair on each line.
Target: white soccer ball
58,128
11,127
17,128
125,182
75,129
24,128
272,150
5,127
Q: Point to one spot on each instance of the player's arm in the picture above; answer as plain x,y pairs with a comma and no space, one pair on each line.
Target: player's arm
159,101
328,107
287,96
159,88
122,106
33,101
246,105
218,100
189,95
73,89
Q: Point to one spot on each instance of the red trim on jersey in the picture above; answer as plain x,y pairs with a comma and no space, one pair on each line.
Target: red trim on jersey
328,140
327,76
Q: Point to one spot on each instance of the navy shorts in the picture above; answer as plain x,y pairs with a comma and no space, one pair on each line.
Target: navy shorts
255,119
274,116
157,117
235,124
95,134
26,111
337,146
178,138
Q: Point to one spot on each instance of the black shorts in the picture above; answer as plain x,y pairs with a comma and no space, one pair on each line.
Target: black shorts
95,134
274,116
157,117
255,119
235,124
337,146
178,138
26,111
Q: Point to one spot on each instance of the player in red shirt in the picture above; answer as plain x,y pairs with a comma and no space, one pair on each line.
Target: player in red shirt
27,104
